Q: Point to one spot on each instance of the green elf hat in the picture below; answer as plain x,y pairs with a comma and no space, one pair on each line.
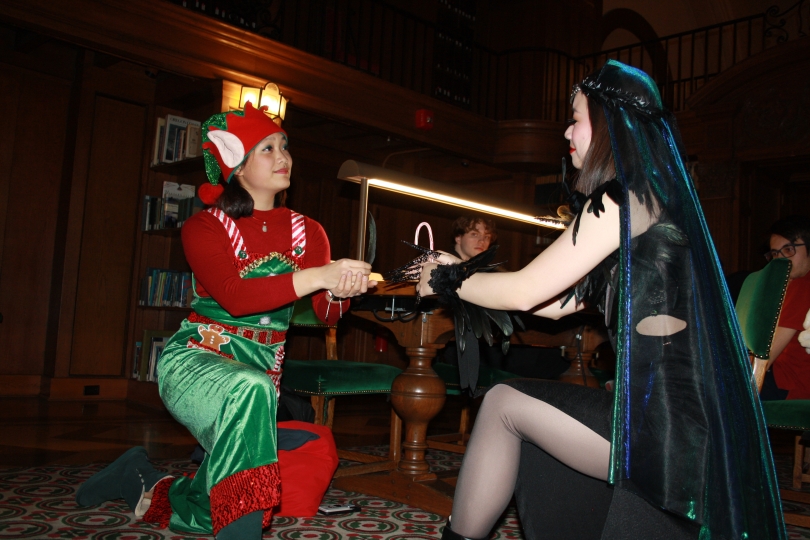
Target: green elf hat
228,138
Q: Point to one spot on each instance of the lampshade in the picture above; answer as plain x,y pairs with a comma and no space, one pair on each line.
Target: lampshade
416,186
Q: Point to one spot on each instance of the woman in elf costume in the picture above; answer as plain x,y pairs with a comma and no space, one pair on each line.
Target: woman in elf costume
679,449
219,375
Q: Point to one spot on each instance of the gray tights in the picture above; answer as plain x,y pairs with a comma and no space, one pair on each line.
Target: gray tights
488,474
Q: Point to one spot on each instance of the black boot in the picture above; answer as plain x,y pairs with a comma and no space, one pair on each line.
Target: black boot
247,527
128,478
449,534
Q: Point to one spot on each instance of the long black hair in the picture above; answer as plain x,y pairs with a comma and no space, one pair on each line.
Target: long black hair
598,166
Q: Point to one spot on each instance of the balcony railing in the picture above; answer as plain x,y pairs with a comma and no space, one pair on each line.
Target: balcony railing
683,63
442,60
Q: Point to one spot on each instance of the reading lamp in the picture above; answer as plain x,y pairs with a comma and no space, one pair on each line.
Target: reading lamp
416,186
269,95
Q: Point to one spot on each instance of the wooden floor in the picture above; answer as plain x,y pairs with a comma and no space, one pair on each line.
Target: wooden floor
35,431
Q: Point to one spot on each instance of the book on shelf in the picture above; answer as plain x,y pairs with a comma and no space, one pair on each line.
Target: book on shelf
177,199
153,344
177,203
175,127
176,138
136,359
157,349
159,298
160,132
165,288
186,292
180,146
193,146
145,209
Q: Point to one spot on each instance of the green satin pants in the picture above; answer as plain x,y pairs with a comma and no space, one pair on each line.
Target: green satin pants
230,408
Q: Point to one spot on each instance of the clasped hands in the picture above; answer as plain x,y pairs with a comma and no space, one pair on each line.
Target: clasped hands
347,278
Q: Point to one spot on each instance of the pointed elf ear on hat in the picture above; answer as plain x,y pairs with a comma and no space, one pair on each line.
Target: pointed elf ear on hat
228,138
231,150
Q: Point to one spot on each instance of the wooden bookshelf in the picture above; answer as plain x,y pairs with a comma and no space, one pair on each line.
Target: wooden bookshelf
194,99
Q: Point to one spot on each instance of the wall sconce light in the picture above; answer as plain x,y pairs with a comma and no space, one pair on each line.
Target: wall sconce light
269,95
416,186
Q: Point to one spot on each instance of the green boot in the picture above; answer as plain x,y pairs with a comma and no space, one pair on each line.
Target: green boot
247,527
128,477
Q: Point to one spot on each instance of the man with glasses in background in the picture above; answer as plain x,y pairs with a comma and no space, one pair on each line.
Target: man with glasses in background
788,375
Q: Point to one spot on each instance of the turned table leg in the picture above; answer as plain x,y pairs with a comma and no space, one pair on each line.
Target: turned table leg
417,395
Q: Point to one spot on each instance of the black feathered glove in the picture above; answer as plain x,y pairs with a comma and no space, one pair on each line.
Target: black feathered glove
413,270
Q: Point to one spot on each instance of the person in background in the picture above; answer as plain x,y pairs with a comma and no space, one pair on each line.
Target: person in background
473,235
788,375
219,375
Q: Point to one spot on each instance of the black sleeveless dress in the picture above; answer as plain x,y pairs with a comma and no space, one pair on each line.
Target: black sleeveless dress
557,502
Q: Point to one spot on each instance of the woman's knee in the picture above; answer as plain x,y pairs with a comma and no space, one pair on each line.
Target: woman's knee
496,395
499,401
254,382
248,390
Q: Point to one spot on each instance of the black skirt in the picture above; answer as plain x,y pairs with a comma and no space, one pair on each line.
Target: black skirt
556,502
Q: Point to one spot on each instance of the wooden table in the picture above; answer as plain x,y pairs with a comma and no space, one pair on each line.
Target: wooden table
418,395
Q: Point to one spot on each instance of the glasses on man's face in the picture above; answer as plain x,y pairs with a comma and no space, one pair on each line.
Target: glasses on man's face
788,250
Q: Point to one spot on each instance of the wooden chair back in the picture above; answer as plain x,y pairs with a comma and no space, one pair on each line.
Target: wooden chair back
304,316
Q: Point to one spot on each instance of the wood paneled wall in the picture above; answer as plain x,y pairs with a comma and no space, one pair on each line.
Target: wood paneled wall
70,172
35,103
111,216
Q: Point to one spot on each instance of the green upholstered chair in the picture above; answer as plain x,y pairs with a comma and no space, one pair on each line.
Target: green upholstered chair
487,376
325,379
758,307
603,376
793,415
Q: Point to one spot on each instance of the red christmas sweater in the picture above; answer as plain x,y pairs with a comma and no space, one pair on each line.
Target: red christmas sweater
209,253
791,369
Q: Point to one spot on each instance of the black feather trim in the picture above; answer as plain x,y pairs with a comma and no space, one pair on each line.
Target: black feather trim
613,189
412,271
471,321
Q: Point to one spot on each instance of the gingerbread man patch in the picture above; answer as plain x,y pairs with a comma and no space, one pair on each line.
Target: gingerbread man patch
211,336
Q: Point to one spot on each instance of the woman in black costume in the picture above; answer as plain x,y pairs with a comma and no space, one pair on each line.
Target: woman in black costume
679,449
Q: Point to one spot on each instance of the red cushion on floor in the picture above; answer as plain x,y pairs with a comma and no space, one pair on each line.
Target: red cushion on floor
306,471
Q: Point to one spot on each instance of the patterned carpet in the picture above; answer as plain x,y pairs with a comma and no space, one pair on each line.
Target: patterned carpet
37,502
